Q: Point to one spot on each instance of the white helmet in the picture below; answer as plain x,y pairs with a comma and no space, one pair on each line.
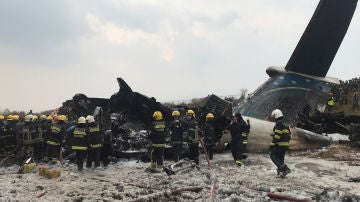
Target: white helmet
276,113
90,119
81,120
28,118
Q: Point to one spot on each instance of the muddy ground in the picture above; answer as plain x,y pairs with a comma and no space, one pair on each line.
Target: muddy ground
321,175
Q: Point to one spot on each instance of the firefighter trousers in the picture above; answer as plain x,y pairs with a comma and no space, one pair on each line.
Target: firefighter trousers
278,156
93,155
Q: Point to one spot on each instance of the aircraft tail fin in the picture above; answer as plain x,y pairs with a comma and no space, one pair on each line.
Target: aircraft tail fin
323,35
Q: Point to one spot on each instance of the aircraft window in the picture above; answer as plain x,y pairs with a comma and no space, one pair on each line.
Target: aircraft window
281,77
294,82
307,80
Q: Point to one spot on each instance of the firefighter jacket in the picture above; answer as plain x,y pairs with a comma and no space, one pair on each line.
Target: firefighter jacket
157,133
192,130
1,128
282,135
57,134
79,138
9,128
238,131
331,102
95,137
209,133
44,128
27,134
177,130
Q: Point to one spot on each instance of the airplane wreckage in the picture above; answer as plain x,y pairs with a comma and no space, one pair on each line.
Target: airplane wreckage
300,90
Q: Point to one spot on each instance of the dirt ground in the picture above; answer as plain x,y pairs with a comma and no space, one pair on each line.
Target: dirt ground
320,175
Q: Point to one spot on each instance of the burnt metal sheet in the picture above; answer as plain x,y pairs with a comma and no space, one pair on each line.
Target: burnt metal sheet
321,40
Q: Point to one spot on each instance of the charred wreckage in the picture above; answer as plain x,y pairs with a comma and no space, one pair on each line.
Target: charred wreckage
126,116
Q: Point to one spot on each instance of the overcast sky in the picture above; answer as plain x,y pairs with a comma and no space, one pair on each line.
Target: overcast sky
171,50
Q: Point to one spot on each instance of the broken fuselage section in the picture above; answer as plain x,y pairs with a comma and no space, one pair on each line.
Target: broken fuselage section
289,92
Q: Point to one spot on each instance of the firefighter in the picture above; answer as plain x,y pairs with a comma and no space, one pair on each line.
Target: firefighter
157,137
25,147
209,134
330,102
79,141
9,133
95,143
245,133
55,139
106,149
237,129
177,139
192,132
43,133
280,143
2,133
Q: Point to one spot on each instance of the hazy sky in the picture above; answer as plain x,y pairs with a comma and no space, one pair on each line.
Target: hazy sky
171,50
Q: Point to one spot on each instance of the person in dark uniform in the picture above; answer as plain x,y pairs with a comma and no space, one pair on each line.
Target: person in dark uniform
9,134
55,139
95,143
280,143
245,134
192,131
106,149
157,137
330,102
209,135
176,129
237,129
79,142
2,133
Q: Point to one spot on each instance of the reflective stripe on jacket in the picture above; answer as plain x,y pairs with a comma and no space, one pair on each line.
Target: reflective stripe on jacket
282,134
79,139
95,137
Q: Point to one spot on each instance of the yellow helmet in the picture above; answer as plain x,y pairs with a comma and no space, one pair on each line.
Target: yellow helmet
158,115
35,118
16,117
209,116
43,117
62,118
2,117
9,117
190,112
175,113
49,118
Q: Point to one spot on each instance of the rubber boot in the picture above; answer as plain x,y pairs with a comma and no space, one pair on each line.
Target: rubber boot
238,163
285,171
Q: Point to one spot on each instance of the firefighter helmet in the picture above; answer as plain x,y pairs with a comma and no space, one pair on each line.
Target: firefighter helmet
190,112
81,119
2,117
62,118
209,116
90,119
158,115
9,117
43,117
35,118
175,113
28,118
16,117
49,118
277,113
